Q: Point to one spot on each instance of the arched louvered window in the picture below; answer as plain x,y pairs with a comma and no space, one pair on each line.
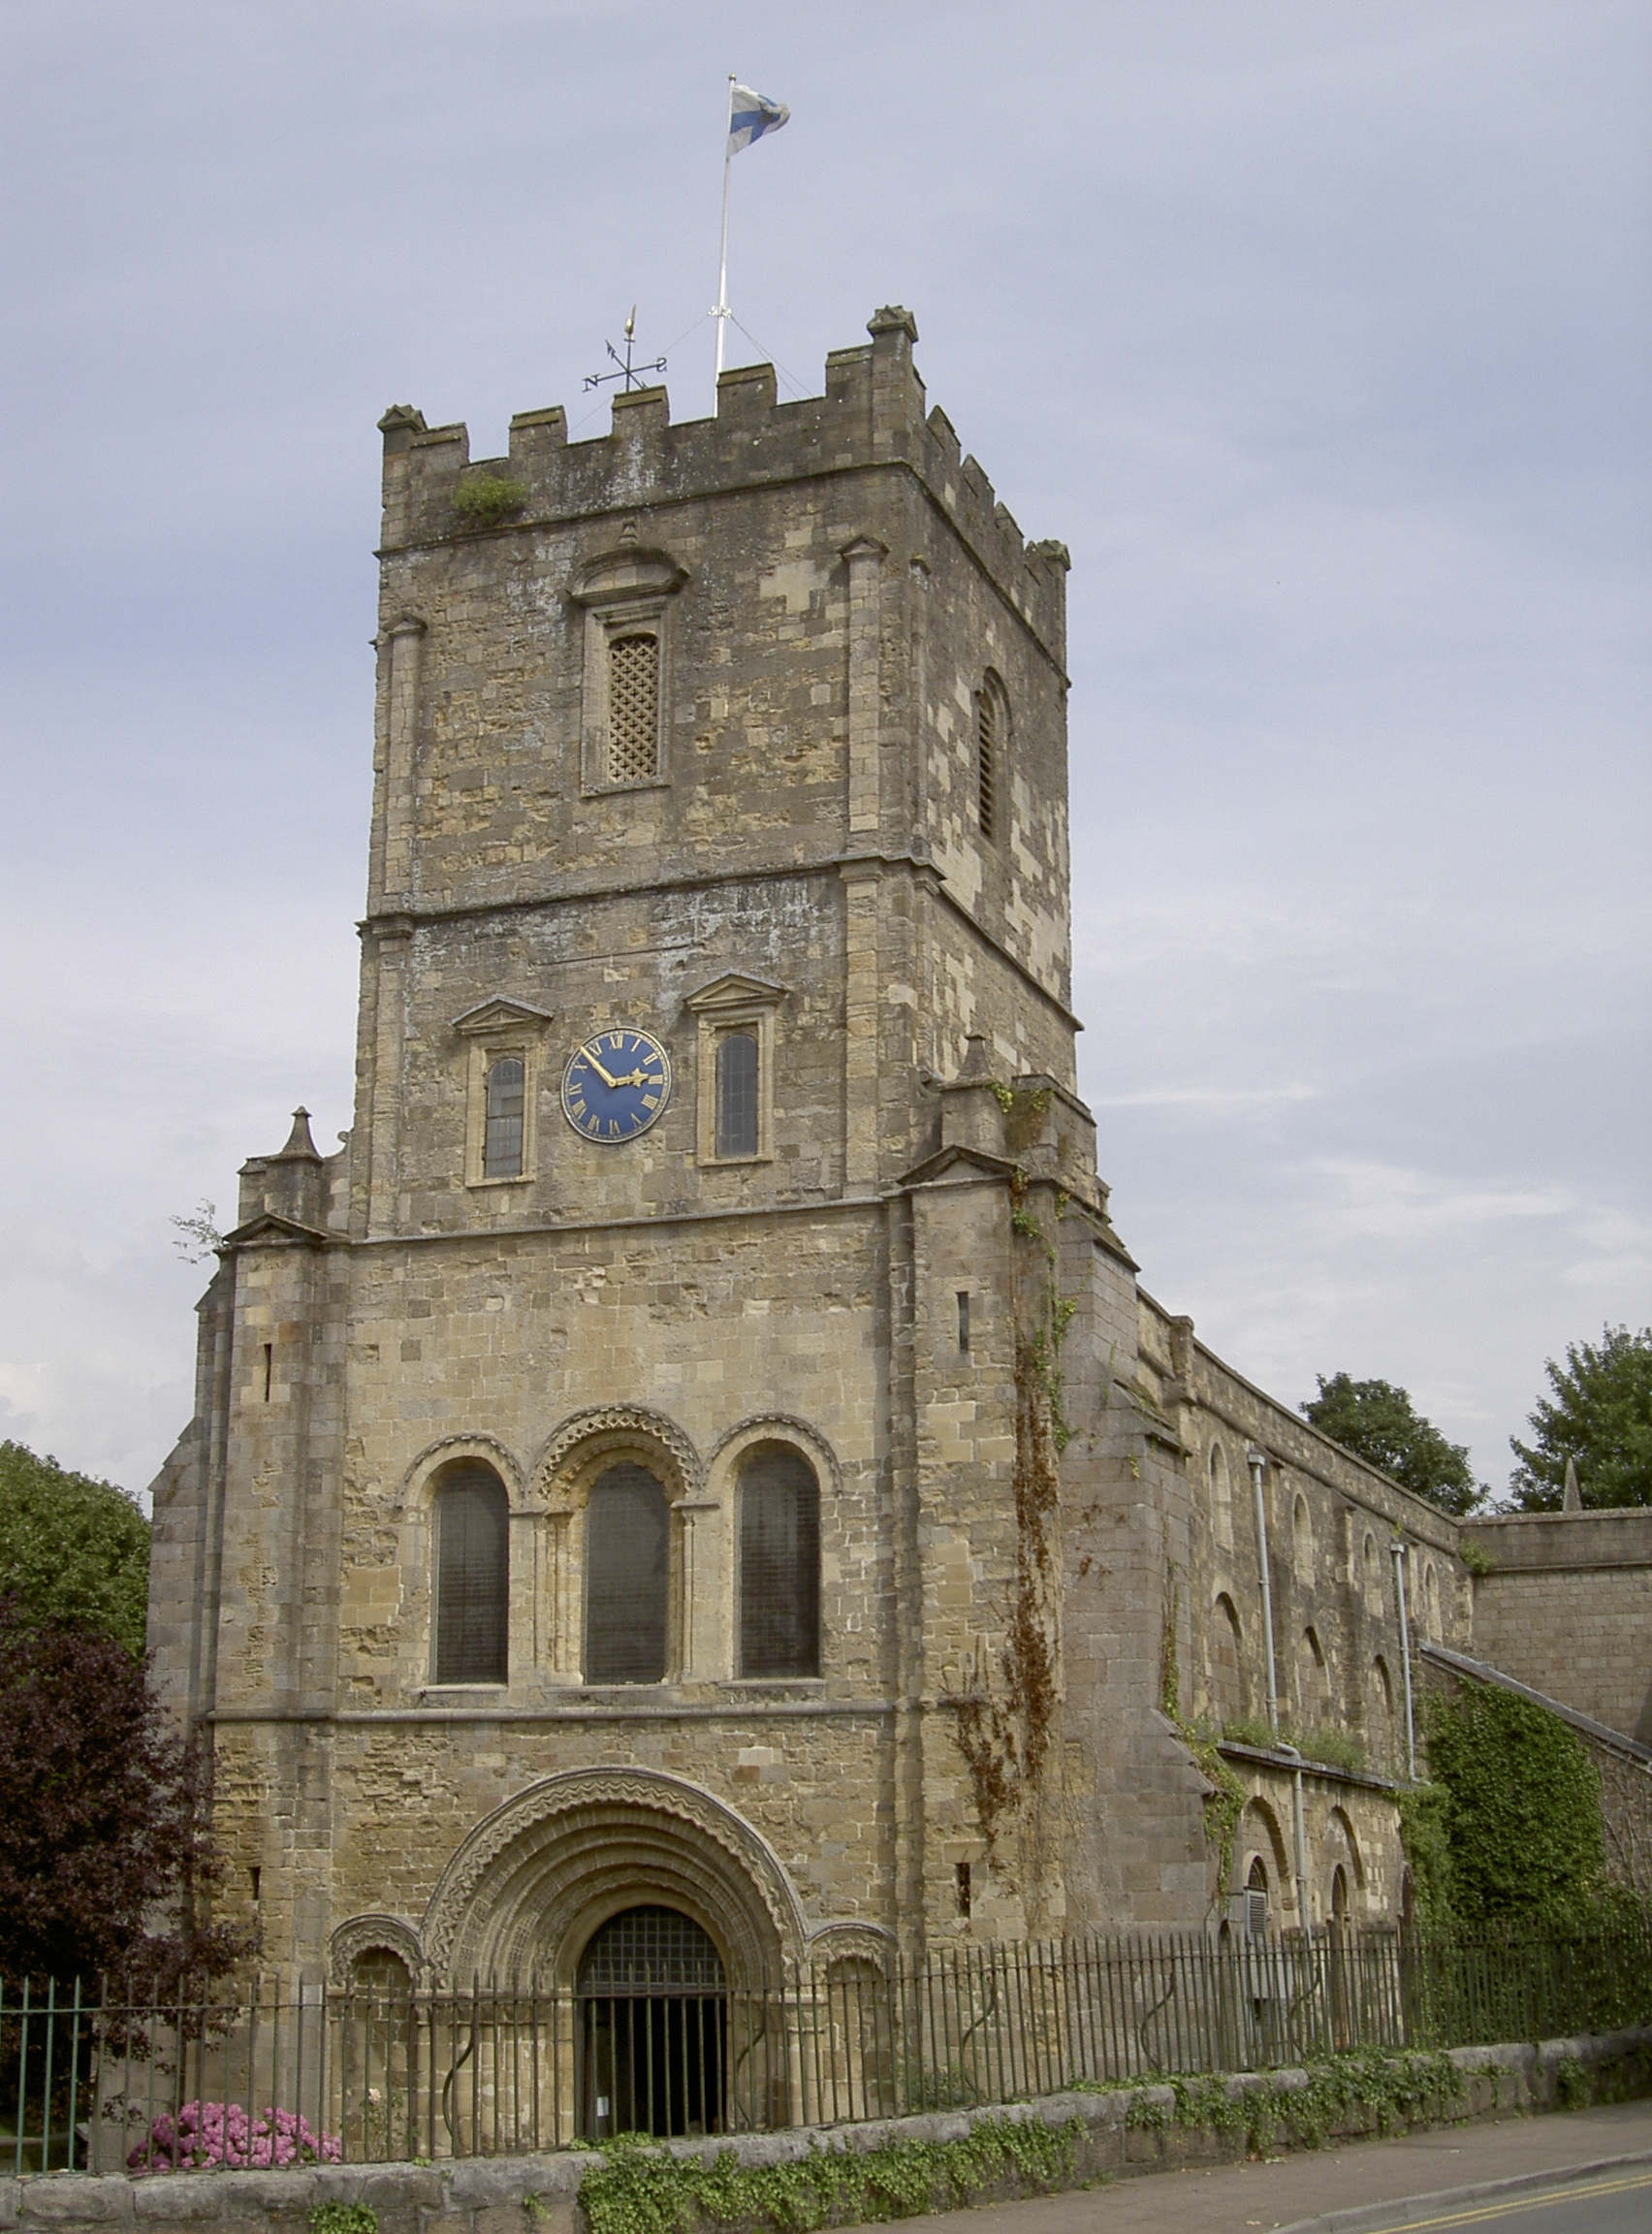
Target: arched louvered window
992,744
627,1570
633,709
472,1516
779,1563
737,1094
501,1149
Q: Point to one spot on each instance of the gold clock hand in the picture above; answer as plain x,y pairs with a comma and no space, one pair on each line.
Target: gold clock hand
606,1080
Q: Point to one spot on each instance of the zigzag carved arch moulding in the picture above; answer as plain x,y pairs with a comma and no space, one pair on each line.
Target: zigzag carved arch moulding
602,1426
493,1877
783,1426
510,1467
367,1932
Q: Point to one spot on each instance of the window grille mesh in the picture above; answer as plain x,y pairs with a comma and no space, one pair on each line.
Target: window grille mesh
502,1150
737,1095
780,1564
633,709
650,1947
986,761
472,1576
626,1572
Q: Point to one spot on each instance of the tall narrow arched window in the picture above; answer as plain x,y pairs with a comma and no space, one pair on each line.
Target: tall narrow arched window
737,1094
992,745
627,1575
501,1148
1220,1498
779,1563
472,1523
633,708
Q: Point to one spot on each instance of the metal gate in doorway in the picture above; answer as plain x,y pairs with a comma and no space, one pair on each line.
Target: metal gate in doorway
653,2027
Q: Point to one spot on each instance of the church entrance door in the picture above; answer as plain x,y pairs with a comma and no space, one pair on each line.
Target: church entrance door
652,2027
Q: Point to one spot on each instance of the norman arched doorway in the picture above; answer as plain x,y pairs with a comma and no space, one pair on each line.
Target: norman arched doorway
652,2027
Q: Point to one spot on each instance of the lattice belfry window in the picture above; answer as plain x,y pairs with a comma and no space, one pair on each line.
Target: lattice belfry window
633,709
503,1146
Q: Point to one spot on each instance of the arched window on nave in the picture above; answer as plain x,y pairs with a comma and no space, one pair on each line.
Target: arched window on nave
627,1577
779,1563
473,1525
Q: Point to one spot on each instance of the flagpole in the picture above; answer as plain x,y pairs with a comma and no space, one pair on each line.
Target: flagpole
721,312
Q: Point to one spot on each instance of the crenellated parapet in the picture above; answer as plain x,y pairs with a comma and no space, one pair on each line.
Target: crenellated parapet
873,414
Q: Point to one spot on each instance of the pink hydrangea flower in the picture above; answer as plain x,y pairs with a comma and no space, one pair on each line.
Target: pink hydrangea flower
218,2136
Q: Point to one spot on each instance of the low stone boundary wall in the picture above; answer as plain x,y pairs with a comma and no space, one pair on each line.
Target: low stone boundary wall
1131,2130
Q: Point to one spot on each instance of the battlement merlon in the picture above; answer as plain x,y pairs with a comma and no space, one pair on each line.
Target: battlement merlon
872,413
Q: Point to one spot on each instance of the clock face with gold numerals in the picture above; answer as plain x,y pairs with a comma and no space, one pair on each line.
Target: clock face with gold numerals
617,1085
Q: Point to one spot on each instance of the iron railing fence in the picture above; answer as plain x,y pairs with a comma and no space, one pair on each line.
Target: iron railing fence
269,2072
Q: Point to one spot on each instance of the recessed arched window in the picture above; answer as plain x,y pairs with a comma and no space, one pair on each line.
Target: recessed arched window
501,1148
1226,1663
737,1094
472,1523
779,1563
1256,1897
627,1577
1221,1498
991,746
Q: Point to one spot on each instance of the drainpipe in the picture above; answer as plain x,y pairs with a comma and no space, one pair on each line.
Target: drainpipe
1257,1460
1301,1849
1398,1550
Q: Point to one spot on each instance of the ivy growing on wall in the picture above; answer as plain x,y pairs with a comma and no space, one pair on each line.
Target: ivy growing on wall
1522,1819
641,2190
1224,1802
1006,1734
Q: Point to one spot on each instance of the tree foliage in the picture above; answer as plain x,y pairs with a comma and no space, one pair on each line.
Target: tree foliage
1600,1417
1523,1814
1377,1422
73,1546
105,1827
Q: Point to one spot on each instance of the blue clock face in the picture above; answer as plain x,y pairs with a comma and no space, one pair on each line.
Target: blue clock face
617,1085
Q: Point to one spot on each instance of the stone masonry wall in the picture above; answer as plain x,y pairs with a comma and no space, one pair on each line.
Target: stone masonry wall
1567,1607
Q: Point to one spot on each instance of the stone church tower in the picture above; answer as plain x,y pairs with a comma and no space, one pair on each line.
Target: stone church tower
700,1446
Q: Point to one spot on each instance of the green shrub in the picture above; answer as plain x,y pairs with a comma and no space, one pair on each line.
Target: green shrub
343,2218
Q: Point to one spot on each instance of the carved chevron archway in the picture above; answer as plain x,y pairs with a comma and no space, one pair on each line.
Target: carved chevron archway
525,1891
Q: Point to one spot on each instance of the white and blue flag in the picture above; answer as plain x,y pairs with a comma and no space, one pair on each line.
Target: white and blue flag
751,114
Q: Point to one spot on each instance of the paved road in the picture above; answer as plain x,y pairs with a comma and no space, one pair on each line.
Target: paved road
1613,2203
1300,2192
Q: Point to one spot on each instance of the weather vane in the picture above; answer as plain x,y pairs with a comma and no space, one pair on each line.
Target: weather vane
631,374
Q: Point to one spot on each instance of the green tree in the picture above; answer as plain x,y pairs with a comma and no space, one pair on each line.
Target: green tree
1523,1812
1601,1417
72,1548
1376,1421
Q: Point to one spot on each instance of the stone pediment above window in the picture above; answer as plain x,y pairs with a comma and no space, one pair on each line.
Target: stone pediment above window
502,1093
628,575
501,1015
734,990
735,1066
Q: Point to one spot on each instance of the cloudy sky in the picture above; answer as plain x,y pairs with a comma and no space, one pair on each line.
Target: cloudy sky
1317,329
